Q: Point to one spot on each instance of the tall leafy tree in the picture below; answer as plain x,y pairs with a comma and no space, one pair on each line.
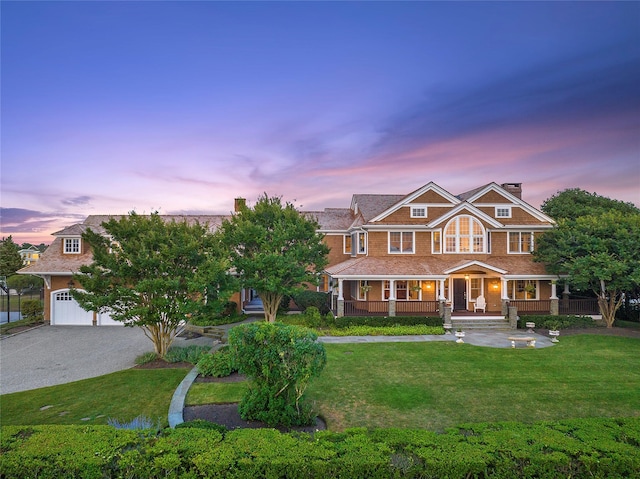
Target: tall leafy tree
153,274
571,203
10,260
274,249
599,252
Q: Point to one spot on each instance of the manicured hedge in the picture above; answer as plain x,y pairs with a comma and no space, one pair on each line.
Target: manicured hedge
582,448
348,321
561,322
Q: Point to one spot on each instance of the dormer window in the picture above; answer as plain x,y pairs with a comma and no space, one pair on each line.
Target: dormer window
503,211
72,246
418,211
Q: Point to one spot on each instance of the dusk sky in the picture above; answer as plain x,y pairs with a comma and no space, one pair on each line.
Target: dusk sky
180,107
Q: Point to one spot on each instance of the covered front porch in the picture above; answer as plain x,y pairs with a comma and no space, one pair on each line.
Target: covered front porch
468,288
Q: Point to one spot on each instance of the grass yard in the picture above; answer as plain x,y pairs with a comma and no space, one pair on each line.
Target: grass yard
431,385
123,396
437,385
215,393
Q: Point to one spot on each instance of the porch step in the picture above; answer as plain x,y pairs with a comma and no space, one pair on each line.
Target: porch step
212,332
495,323
254,307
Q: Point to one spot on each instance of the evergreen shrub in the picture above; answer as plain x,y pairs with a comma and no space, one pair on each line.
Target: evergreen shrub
547,321
218,364
279,360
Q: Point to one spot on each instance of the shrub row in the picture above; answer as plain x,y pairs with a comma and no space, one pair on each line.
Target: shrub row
348,321
557,322
584,448
395,330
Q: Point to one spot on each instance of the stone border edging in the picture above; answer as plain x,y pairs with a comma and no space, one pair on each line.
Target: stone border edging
6,336
177,401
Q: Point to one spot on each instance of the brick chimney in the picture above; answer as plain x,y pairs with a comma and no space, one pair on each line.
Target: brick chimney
238,204
514,188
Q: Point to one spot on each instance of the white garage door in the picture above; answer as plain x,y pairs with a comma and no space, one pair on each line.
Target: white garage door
66,310
105,320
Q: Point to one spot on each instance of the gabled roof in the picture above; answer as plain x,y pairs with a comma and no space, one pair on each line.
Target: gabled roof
333,219
472,209
475,263
473,195
405,200
370,206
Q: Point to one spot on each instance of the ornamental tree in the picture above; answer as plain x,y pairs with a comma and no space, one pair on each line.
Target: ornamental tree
10,260
153,274
598,252
274,249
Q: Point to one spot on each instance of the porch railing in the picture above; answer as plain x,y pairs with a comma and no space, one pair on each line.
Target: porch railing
366,308
542,306
579,306
381,308
416,308
587,306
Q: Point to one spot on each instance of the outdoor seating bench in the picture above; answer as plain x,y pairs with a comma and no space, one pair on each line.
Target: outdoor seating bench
531,342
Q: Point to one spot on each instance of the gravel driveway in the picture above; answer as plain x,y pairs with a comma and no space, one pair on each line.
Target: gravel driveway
52,355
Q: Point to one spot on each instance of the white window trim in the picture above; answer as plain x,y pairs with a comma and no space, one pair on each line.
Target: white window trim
69,241
344,245
471,236
363,235
419,207
413,242
520,233
507,208
433,241
512,293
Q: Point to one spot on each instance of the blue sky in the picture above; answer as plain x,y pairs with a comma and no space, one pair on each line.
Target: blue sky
182,106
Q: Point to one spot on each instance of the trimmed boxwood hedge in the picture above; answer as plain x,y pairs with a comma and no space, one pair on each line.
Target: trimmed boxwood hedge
579,448
348,321
547,321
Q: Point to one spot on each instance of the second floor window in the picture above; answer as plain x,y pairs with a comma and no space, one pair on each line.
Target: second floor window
520,241
72,245
362,243
347,244
401,242
464,234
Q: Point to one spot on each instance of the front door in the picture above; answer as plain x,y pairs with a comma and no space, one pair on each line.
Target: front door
459,294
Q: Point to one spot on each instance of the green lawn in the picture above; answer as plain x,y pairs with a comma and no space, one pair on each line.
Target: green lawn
437,385
123,395
431,385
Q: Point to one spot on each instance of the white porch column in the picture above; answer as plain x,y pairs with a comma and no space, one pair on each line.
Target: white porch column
441,296
392,289
340,293
553,290
566,288
504,292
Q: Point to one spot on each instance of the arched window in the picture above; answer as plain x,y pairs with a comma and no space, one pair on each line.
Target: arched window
464,234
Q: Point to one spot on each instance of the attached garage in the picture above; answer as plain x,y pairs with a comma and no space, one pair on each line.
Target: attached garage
105,320
66,311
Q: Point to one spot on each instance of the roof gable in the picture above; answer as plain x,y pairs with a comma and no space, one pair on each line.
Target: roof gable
429,194
470,209
493,192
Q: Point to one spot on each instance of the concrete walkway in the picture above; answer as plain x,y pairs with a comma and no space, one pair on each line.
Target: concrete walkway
491,339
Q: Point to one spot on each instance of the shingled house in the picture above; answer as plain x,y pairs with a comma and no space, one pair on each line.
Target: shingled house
391,254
